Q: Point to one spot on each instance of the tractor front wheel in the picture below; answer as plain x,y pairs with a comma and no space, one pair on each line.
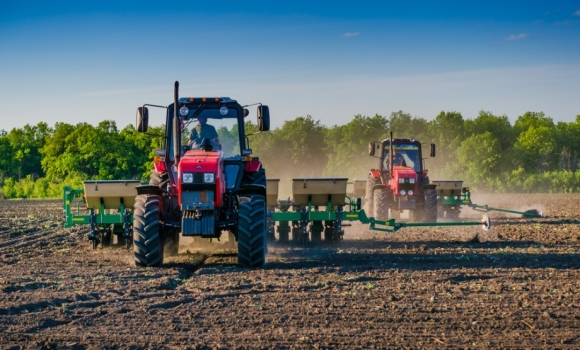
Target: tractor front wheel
382,197
430,206
252,231
147,243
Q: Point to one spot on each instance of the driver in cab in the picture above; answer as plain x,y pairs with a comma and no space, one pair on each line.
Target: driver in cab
398,159
203,131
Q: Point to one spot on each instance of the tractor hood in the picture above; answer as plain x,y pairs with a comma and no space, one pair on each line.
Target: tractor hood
404,179
198,161
205,181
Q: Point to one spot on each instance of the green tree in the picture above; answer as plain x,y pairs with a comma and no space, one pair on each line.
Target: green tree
6,155
535,119
347,146
447,131
536,148
404,125
57,161
499,126
478,158
26,144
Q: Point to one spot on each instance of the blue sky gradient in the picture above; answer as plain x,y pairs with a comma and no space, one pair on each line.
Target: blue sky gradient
86,62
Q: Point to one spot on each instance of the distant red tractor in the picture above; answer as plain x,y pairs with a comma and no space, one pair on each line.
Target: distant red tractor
205,183
400,182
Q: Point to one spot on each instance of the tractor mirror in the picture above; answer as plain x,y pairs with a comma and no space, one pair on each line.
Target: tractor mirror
142,119
432,150
375,147
372,149
263,118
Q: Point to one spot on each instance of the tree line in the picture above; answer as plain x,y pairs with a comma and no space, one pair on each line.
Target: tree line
535,154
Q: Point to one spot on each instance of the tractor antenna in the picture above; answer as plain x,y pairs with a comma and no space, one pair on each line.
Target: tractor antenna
391,154
176,125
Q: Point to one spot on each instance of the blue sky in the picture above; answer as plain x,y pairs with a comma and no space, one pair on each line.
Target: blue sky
75,61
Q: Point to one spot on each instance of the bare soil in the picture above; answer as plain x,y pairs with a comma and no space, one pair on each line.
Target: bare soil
516,286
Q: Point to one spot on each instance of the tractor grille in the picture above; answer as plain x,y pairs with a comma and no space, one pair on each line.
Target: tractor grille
198,178
198,187
406,187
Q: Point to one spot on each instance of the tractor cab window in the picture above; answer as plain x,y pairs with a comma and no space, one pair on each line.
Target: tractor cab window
403,155
220,130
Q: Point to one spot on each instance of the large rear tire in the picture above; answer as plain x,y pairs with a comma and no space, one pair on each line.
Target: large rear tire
252,232
157,179
257,178
430,206
147,242
382,197
368,206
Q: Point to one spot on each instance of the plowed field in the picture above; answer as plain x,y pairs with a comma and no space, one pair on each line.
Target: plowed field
517,286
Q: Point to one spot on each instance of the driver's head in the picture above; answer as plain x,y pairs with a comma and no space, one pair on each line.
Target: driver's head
202,120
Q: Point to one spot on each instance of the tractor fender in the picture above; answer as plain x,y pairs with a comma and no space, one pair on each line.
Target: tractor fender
375,173
378,187
160,167
252,189
253,166
149,189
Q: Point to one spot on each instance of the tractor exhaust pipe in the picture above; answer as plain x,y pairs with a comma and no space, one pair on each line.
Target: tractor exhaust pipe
391,154
176,125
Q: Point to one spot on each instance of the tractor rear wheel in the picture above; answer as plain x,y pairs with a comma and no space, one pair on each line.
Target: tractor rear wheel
257,178
147,242
158,179
381,204
252,231
368,206
430,206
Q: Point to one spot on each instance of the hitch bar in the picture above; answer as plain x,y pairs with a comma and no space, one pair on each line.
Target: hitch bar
392,226
532,213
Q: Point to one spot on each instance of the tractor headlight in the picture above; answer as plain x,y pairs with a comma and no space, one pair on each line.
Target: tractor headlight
187,178
401,180
412,180
209,178
403,192
410,192
184,111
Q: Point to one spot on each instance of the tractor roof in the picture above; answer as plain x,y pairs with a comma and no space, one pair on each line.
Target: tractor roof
205,99
402,139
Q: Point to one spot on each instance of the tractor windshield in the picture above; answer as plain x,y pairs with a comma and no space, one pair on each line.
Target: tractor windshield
220,130
403,155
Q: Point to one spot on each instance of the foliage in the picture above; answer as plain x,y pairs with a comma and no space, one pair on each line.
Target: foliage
487,152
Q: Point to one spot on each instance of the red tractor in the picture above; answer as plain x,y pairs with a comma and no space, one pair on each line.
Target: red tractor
400,182
205,183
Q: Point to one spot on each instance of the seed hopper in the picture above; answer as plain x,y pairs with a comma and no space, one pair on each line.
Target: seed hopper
107,206
319,208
